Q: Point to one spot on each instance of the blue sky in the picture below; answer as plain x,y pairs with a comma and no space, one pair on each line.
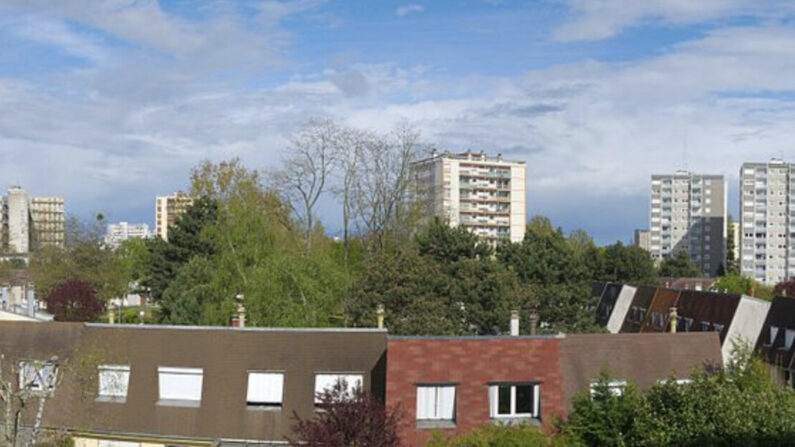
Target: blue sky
111,102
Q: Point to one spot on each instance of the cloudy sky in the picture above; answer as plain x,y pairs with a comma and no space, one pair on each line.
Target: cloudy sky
110,102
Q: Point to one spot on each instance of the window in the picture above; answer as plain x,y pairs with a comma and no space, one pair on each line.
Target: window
436,403
773,333
37,376
614,387
789,336
324,382
105,443
113,382
514,401
265,389
180,386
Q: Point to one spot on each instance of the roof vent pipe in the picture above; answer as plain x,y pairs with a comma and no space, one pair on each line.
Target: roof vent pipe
514,323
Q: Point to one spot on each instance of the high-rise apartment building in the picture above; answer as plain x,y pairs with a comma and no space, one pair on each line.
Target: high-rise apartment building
48,219
29,223
122,231
483,194
168,209
767,218
688,212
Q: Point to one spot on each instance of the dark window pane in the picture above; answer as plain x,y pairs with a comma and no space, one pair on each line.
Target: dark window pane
524,399
504,400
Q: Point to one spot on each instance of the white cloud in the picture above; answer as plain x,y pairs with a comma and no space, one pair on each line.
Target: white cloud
412,8
599,19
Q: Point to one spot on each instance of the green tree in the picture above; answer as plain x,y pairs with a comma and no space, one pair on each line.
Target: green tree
503,436
734,283
679,266
546,261
627,264
448,245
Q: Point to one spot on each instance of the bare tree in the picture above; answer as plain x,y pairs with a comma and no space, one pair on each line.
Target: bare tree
382,183
349,152
306,170
37,380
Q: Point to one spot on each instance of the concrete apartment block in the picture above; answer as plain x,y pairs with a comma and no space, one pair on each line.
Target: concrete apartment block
168,209
688,212
483,194
767,221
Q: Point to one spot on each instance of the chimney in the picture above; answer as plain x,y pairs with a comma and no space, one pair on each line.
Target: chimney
379,312
533,322
514,323
672,320
240,319
111,314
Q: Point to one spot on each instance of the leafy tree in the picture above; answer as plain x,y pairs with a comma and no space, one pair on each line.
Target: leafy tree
74,300
679,266
733,283
627,264
546,261
448,245
349,418
84,258
446,286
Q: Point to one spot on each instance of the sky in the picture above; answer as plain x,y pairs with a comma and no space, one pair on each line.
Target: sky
111,102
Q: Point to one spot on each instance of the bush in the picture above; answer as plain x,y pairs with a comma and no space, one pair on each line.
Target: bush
503,436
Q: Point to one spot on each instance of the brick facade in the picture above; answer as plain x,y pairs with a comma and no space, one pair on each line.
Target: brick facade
470,363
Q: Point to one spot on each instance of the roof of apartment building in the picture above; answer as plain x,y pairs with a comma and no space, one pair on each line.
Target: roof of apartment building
656,318
775,342
707,311
642,359
607,302
221,358
638,308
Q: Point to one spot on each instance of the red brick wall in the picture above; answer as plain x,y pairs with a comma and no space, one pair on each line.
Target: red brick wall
471,363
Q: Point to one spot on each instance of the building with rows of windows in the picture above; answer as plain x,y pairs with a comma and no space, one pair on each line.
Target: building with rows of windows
137,385
28,223
688,212
481,193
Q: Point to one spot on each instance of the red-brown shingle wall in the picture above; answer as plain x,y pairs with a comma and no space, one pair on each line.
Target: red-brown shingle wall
471,363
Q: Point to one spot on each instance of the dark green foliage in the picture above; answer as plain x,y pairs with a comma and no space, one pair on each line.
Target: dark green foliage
732,266
734,283
503,436
679,266
627,264
546,261
448,285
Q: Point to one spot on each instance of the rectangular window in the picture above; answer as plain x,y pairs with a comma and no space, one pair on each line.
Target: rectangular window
37,376
113,382
773,333
327,382
514,401
614,387
180,386
265,389
436,403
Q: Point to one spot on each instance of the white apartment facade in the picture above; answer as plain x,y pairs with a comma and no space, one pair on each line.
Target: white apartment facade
168,209
28,223
484,194
767,221
688,212
122,231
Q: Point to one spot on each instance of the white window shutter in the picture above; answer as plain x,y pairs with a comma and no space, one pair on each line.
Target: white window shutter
265,388
426,402
446,402
493,401
180,383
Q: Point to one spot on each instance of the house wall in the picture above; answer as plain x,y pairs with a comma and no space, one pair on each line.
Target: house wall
470,363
